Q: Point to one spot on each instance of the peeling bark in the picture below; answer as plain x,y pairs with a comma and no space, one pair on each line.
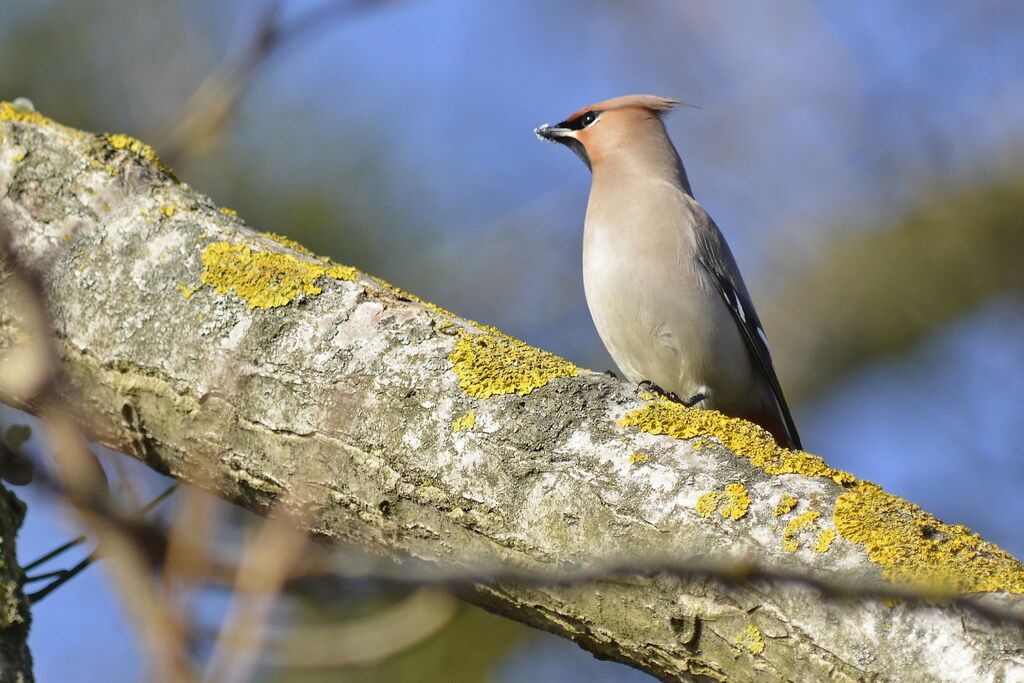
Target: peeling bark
224,356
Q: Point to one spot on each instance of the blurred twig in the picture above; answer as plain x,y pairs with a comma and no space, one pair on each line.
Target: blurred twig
62,576
205,115
384,634
261,575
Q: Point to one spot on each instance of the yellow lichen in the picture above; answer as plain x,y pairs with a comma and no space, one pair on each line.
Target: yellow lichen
167,210
743,438
22,111
264,279
492,363
635,458
749,639
139,148
824,541
913,547
736,501
10,112
464,423
909,544
790,543
288,242
186,291
786,503
228,212
18,156
708,503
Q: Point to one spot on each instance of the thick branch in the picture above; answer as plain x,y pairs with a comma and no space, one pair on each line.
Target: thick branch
231,358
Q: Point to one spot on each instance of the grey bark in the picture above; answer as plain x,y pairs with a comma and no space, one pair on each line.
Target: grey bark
15,657
345,399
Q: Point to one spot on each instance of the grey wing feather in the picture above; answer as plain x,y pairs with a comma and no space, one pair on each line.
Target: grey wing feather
714,256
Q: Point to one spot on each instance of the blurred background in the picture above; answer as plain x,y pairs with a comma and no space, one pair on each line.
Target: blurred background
865,161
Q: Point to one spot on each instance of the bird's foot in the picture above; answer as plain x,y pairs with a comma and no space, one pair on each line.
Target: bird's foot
671,395
658,391
693,400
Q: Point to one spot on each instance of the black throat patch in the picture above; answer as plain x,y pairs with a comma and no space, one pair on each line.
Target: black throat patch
577,147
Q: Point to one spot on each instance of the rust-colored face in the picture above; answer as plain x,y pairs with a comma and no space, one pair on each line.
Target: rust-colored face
572,132
592,130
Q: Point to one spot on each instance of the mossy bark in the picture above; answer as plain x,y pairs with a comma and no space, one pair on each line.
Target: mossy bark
15,657
228,357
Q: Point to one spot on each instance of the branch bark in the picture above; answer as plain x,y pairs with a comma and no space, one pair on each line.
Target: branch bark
15,657
240,361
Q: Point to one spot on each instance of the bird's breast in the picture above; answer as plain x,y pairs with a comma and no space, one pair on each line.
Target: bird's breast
651,305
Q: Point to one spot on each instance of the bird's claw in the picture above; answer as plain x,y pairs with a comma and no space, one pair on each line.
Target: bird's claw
693,400
658,391
671,395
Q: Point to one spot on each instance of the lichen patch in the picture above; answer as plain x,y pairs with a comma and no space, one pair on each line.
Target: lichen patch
743,438
138,148
786,504
749,638
790,542
737,502
913,547
824,541
910,545
265,279
733,499
491,363
708,503
465,422
10,112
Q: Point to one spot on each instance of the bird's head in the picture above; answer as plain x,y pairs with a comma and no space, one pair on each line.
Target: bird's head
595,131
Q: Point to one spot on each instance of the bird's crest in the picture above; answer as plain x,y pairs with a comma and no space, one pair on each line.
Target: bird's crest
652,103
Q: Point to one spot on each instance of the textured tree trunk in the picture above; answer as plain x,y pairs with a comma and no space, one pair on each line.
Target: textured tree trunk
240,361
15,658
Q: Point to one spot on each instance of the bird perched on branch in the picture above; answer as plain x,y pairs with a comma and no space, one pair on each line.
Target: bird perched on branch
661,283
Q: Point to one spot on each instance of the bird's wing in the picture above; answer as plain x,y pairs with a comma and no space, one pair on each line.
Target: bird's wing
714,256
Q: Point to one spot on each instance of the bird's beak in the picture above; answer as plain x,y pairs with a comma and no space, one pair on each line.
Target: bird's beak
553,133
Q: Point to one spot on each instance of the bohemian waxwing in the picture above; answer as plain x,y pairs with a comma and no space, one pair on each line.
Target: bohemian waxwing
663,288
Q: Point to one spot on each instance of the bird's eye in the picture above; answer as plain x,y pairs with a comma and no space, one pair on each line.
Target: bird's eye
588,118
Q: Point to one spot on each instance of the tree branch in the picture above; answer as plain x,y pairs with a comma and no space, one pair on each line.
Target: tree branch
239,361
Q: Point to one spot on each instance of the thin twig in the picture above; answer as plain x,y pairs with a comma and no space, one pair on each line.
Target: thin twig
205,115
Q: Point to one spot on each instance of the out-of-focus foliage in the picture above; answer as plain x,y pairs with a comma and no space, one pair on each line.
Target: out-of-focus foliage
875,293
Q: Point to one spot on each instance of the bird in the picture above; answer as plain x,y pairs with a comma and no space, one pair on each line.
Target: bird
661,283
